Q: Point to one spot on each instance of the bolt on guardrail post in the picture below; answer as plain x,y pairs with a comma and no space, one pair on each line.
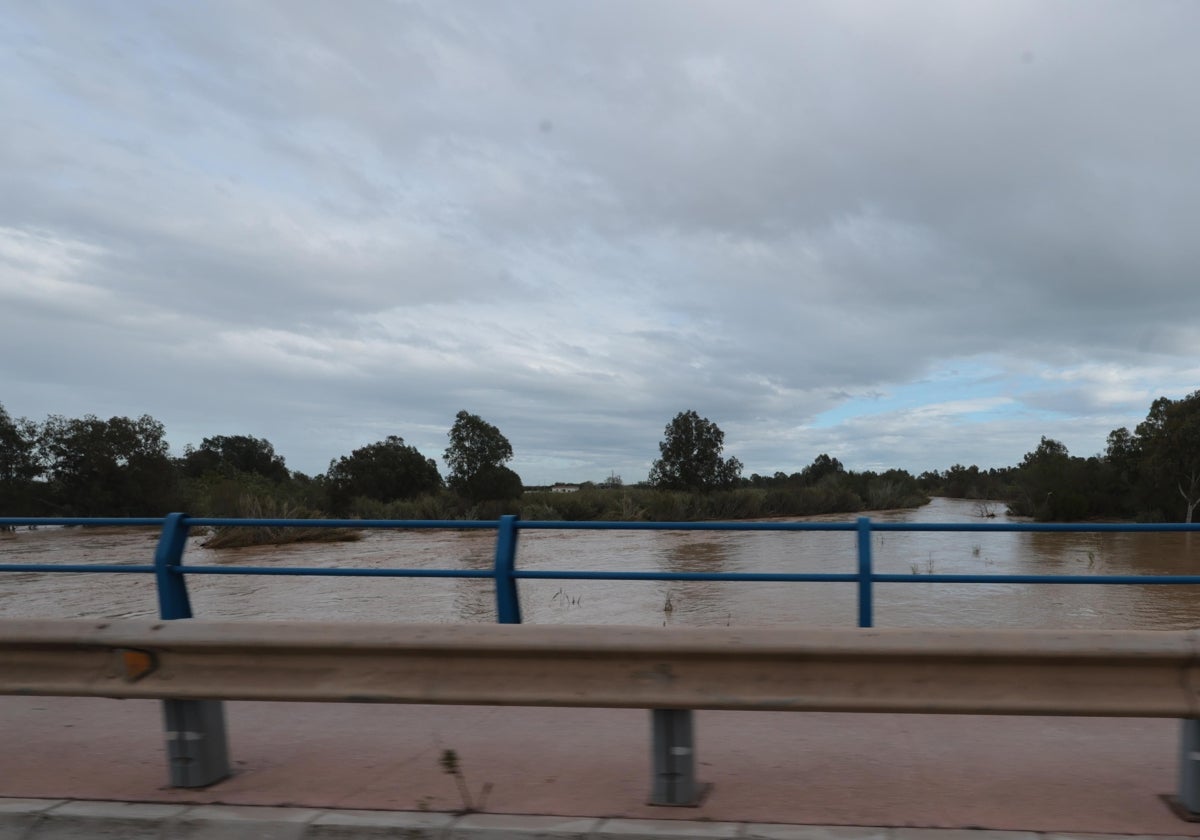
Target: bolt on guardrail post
1187,802
508,605
197,747
866,601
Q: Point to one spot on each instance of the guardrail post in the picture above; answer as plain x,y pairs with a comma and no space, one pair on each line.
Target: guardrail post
197,747
1187,803
508,605
674,759
866,600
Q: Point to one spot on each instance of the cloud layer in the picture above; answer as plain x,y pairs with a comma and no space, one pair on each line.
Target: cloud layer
905,235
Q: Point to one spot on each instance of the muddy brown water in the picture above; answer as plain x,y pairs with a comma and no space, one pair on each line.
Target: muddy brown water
43,595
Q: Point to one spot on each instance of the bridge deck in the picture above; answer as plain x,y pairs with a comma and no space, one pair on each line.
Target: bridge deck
1038,773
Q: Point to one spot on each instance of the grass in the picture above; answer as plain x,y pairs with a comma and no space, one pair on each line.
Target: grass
568,600
930,567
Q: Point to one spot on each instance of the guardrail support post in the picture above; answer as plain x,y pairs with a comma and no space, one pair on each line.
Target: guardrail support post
197,747
674,759
1187,802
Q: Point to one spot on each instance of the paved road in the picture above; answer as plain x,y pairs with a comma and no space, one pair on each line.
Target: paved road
1030,774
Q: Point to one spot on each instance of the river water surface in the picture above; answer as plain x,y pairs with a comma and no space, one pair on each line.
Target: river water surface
43,595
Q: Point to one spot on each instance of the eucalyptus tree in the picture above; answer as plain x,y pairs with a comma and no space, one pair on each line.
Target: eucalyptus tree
1169,443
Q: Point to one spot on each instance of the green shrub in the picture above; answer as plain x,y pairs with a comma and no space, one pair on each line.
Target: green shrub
539,511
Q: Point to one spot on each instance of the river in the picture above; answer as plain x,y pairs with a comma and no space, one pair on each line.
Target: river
42,595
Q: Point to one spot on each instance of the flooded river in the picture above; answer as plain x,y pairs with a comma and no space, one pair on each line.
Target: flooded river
641,603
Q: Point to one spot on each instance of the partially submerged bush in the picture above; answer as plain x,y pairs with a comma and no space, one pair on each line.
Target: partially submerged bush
244,537
258,507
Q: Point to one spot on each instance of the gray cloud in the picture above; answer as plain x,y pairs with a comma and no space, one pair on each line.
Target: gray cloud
324,224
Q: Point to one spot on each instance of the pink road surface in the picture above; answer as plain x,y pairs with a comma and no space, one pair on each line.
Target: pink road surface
1036,773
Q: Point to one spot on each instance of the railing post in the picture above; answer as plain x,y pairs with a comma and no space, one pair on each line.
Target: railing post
197,747
173,601
866,609
508,605
1187,802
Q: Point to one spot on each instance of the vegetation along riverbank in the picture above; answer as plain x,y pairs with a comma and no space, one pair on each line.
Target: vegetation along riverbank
123,467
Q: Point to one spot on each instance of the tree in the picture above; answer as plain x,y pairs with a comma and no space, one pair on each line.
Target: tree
493,484
821,466
116,467
691,456
1049,452
385,471
18,454
961,482
476,456
1123,457
1050,484
230,454
1122,446
18,465
1169,440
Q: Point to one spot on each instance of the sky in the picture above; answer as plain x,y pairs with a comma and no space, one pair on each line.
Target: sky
904,234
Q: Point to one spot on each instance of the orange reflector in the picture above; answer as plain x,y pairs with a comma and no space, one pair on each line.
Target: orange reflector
137,663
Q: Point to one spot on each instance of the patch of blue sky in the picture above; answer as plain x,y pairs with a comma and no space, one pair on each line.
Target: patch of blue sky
957,383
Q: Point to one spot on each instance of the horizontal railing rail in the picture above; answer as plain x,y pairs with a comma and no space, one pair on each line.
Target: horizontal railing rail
171,571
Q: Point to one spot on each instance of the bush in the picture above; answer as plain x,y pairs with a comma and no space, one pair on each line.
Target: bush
251,507
885,494
668,506
539,511
440,505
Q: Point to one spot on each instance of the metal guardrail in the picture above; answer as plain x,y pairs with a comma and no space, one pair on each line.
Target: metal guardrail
979,672
1009,672
195,727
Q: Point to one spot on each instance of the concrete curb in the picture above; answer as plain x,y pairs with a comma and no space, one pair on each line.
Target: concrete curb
65,819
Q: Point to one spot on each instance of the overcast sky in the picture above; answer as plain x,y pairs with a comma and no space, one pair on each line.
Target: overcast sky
905,234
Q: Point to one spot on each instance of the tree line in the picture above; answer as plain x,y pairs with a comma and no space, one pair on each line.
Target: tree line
1150,474
122,467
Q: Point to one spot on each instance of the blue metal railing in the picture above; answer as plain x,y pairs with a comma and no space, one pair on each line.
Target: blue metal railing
170,572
